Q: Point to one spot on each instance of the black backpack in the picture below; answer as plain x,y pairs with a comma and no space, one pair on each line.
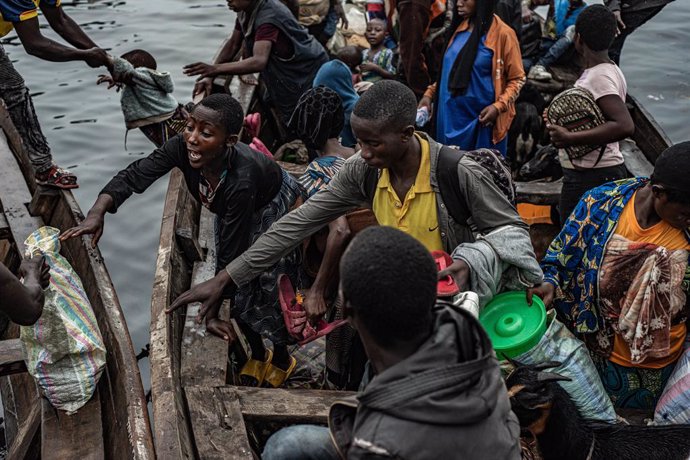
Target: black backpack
447,173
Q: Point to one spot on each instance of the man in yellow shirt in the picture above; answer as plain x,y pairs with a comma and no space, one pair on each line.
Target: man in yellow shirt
22,16
397,174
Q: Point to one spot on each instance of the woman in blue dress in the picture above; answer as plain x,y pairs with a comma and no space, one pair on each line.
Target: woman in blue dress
481,77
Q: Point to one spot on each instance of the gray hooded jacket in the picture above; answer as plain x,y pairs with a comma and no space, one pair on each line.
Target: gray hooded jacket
447,400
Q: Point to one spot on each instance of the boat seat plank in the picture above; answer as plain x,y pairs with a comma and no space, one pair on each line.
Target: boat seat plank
540,193
15,196
284,405
77,436
218,425
636,162
11,357
204,356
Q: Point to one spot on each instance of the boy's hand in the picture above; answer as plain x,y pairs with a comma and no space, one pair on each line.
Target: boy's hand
619,22
369,67
488,116
200,69
342,16
35,270
203,87
314,305
221,328
560,137
460,272
110,81
545,291
92,225
425,102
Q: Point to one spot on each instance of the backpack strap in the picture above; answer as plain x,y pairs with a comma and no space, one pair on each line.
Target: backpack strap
447,174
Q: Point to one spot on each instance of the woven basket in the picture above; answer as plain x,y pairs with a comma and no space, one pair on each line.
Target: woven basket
576,110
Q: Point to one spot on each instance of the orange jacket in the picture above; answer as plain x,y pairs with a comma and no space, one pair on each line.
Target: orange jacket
507,67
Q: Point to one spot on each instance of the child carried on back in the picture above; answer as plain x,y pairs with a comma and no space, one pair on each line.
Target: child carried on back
146,100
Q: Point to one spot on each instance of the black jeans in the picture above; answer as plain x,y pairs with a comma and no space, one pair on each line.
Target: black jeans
578,181
632,21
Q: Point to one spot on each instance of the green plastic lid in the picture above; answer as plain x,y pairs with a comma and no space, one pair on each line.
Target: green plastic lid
513,326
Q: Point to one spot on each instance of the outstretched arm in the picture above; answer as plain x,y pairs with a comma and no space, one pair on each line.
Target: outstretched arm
65,26
49,50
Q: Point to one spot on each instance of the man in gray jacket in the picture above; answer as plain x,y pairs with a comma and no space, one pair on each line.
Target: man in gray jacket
437,391
396,175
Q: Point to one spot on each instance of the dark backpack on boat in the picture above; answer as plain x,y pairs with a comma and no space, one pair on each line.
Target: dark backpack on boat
447,173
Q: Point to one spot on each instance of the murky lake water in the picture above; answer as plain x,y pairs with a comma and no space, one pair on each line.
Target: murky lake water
85,128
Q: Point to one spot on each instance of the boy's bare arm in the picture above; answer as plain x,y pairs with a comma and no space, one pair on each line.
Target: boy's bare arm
23,303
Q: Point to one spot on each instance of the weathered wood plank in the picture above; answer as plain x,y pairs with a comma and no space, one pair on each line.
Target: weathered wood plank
28,436
282,405
15,196
204,356
189,245
546,193
17,145
218,425
172,430
636,162
44,201
77,436
12,357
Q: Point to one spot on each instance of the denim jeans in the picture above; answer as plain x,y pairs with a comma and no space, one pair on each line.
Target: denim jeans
304,442
21,108
551,50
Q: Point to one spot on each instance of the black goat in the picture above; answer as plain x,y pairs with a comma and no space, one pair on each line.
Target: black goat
545,409
543,164
524,133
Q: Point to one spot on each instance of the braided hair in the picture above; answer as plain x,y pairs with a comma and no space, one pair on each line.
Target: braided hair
318,116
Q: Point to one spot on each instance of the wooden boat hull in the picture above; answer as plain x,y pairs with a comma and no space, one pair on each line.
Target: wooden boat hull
115,423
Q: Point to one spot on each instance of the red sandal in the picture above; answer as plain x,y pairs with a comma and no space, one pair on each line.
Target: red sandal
446,286
296,318
57,177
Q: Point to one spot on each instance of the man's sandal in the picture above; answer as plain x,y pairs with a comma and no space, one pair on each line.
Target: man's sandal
276,377
57,177
254,371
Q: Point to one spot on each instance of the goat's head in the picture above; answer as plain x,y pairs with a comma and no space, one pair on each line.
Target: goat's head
531,395
541,165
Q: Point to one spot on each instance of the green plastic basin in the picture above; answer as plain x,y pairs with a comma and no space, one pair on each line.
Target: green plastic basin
513,326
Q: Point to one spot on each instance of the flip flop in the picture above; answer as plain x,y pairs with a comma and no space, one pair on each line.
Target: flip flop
252,123
255,369
58,178
296,318
259,146
446,286
276,377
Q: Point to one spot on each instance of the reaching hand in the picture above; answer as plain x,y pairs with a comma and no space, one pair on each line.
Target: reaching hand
96,57
110,81
314,305
460,272
342,16
560,136
208,293
619,22
488,115
200,69
35,270
92,225
221,328
545,291
203,87
369,67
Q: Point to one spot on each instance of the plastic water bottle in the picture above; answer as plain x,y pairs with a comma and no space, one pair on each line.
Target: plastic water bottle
423,116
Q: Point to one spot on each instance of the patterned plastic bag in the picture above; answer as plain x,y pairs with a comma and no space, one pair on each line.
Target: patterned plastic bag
585,387
64,349
674,404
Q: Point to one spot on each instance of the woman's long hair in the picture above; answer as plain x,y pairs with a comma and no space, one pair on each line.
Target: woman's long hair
461,73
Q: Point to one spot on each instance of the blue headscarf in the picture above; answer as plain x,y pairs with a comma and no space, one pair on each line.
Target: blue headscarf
336,75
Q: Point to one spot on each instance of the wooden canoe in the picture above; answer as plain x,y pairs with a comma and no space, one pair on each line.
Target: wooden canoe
115,422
